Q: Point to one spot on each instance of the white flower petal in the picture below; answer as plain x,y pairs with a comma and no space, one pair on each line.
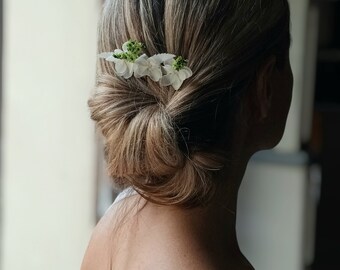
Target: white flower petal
112,59
184,73
141,66
143,60
141,63
121,67
169,69
124,47
188,70
130,69
167,80
153,62
169,62
105,54
177,83
140,70
155,74
161,58
117,51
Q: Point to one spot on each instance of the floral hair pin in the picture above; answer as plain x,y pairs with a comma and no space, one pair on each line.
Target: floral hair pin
167,69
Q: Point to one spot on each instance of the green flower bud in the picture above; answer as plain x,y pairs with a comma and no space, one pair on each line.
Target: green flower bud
179,63
119,55
134,50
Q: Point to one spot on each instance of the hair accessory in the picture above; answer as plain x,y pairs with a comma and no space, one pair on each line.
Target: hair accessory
167,69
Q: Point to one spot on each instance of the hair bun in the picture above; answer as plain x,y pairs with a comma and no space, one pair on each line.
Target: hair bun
141,146
140,141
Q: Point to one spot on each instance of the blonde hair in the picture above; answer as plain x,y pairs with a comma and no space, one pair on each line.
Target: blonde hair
165,143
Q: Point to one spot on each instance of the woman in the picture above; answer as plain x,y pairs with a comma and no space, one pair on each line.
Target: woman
180,127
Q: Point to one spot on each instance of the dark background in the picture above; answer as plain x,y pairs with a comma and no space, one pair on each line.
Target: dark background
324,147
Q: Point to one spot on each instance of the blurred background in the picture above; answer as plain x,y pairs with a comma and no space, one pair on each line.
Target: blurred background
53,187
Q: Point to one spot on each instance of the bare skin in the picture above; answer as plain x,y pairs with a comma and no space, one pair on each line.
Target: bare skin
168,238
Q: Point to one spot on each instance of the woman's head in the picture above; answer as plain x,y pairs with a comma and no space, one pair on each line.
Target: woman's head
171,144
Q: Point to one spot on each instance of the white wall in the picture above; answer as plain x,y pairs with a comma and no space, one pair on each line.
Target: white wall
271,215
291,139
48,142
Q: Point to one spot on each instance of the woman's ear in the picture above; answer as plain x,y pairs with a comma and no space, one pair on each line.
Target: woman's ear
263,88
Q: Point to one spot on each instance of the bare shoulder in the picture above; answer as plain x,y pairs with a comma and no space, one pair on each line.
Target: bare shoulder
104,238
97,252
138,246
149,242
184,261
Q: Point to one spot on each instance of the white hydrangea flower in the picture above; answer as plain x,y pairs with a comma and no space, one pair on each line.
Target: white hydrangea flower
175,77
123,67
151,66
165,68
125,59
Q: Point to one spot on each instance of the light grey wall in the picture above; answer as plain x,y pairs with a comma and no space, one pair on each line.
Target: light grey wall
48,166
1,42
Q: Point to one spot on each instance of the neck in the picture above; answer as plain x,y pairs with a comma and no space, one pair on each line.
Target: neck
213,227
219,218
